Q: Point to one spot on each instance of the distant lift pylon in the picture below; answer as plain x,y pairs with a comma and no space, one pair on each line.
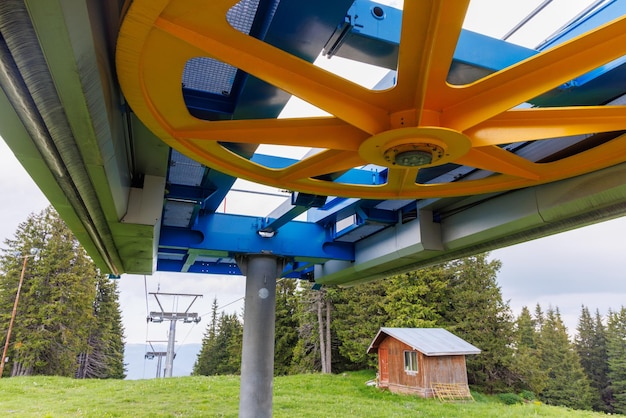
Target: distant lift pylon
186,316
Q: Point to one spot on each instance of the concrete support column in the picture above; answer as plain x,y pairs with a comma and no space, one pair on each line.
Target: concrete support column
257,359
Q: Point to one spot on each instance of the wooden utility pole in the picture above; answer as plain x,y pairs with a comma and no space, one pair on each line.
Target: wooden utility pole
13,313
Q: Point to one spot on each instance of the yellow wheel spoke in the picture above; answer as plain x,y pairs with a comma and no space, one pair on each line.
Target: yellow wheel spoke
306,132
325,162
533,124
500,161
604,155
402,179
427,44
508,88
444,41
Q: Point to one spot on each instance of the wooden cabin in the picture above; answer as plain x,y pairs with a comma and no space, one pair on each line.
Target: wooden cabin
421,361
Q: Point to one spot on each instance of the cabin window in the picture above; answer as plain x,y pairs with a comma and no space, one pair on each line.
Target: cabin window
410,361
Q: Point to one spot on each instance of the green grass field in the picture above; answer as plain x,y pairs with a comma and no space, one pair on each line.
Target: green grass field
311,395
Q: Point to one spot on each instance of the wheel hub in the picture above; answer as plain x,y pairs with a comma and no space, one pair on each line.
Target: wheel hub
415,147
413,155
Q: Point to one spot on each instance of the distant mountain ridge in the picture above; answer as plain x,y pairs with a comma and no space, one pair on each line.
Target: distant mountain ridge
138,367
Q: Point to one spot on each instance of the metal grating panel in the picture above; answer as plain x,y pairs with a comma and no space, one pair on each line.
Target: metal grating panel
184,170
241,15
209,75
216,77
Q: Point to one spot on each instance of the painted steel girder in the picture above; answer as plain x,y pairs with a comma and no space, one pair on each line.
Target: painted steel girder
237,234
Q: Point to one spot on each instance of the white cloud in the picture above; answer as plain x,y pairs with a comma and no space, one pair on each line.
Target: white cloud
22,197
585,266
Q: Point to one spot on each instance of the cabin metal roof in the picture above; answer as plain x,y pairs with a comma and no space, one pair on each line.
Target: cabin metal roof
429,341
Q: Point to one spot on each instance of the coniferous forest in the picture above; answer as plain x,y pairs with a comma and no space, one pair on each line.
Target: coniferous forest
330,330
68,320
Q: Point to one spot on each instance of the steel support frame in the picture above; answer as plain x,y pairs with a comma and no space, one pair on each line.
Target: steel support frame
171,341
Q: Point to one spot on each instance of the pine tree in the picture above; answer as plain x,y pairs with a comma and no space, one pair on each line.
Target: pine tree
359,314
567,384
230,338
590,344
221,346
324,319
616,345
204,363
606,395
477,313
526,356
539,318
306,354
526,329
286,326
104,357
55,314
115,366
416,299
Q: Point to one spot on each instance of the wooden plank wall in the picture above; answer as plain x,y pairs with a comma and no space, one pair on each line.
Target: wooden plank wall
436,369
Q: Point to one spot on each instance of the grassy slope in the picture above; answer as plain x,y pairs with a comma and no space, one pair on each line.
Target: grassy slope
294,396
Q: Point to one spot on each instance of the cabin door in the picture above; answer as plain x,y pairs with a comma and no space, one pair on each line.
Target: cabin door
383,361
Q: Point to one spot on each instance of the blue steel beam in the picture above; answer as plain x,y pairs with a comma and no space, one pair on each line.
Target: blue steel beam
366,175
379,211
291,209
219,262
228,268
237,234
